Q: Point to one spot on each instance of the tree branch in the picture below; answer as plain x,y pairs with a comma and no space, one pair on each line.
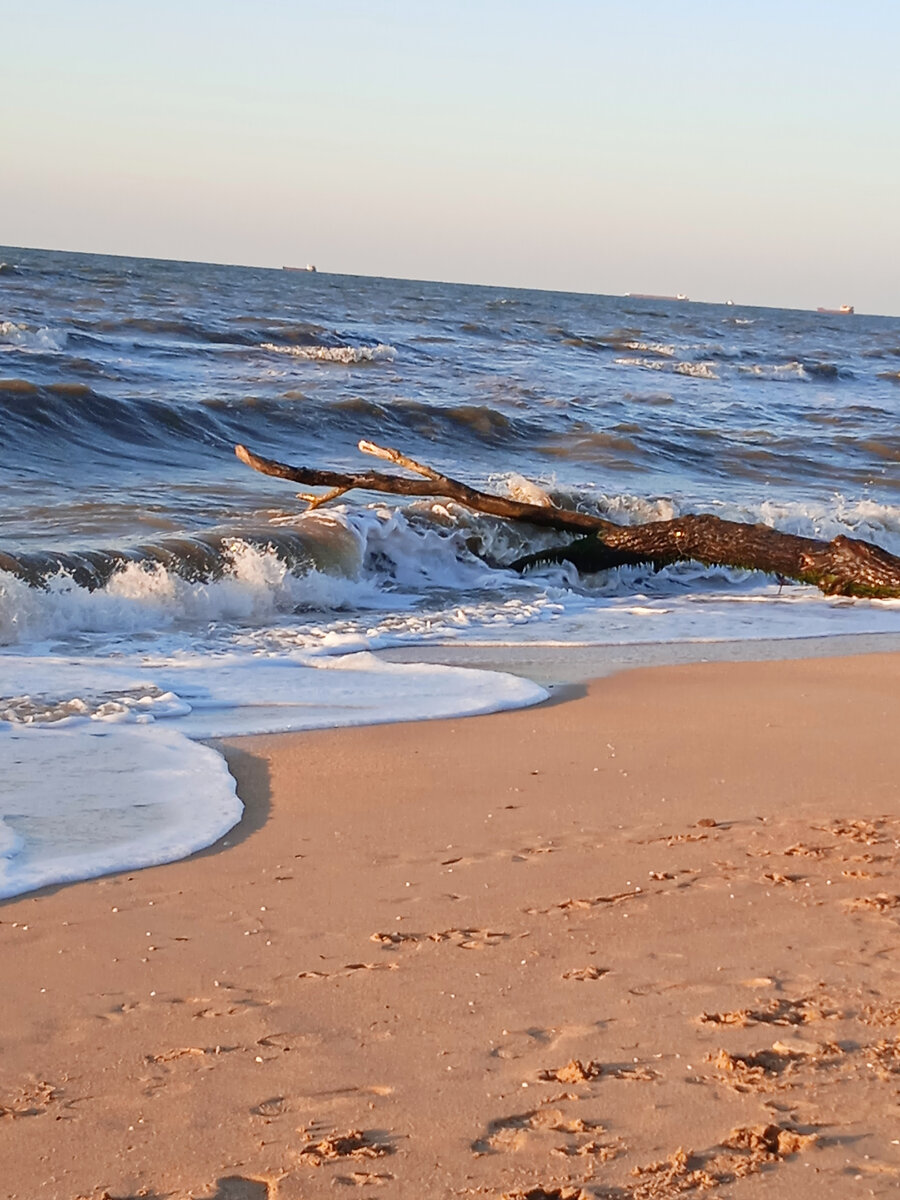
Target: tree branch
843,567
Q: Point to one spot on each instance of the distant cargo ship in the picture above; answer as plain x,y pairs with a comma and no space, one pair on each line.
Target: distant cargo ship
651,296
308,267
845,308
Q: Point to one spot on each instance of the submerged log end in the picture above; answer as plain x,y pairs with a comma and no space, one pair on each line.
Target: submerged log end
849,567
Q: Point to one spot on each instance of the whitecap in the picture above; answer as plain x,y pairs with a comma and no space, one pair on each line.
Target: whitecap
345,355
30,338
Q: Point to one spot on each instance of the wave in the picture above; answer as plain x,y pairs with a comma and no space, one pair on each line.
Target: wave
175,582
614,449
344,355
47,418
200,557
793,369
245,331
774,372
617,341
44,420
710,368
31,338
359,561
697,370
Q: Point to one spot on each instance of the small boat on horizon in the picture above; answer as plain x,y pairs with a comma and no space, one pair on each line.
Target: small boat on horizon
308,267
845,309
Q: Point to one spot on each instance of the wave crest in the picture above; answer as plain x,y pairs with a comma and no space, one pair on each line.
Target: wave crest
344,355
36,339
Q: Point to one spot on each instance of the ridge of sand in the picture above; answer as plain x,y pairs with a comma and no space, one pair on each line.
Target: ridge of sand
637,943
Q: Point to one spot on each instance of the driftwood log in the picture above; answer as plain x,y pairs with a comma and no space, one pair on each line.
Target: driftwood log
842,567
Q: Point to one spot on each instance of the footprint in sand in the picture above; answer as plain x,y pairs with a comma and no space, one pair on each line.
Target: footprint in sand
575,1071
364,1178
744,1151
882,902
867,833
545,1126
582,974
587,902
880,1014
32,1100
348,969
509,1133
240,1187
767,1070
465,939
527,853
518,1043
354,1144
520,855
780,1011
541,1192
275,1106
228,1005
189,1052
118,1011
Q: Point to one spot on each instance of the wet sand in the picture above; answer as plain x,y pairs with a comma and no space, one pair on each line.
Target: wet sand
639,942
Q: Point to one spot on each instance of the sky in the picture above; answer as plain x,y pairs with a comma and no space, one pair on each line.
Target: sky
726,150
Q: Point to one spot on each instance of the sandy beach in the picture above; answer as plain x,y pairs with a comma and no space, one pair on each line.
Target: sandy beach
638,942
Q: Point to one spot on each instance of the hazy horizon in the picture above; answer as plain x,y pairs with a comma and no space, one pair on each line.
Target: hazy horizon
601,148
202,262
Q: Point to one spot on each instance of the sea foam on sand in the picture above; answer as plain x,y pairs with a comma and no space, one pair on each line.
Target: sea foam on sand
101,770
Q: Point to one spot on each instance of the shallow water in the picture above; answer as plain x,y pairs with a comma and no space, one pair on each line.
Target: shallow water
136,543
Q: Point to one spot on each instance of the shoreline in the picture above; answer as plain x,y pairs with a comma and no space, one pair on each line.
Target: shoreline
417,929
550,664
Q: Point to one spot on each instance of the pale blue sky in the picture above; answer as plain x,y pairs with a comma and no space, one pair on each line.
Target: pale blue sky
725,150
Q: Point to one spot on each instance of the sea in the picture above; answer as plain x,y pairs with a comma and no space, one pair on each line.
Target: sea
155,593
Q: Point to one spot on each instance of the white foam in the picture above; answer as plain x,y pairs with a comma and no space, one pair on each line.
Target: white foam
649,364
698,370
100,766
775,372
663,350
29,338
257,587
412,576
263,650
346,355
83,801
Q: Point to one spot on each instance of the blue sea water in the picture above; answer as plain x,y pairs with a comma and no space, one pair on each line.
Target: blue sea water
125,384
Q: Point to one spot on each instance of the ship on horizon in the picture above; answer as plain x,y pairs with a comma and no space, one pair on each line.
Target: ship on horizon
845,309
653,296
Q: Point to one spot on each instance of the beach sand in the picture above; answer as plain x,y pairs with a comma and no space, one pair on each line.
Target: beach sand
640,941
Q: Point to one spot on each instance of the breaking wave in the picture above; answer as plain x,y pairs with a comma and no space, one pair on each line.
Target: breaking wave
698,370
36,339
359,561
344,355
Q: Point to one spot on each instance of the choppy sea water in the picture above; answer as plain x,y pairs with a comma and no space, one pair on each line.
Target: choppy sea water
155,591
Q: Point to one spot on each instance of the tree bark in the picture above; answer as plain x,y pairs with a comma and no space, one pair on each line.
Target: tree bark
842,567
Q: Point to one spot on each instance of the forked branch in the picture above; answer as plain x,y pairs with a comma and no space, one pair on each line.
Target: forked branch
843,567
